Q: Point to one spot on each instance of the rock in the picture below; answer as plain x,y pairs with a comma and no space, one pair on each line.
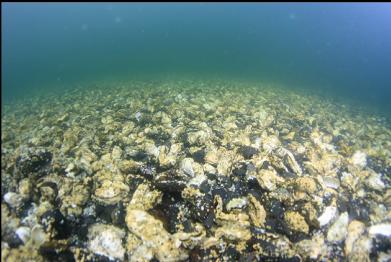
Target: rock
242,139
127,128
224,166
55,222
355,230
209,169
63,118
270,143
166,159
314,248
331,182
14,200
106,240
374,182
361,250
201,205
291,161
116,153
233,232
186,167
198,180
38,235
129,166
238,203
197,138
34,162
359,159
48,191
349,181
328,215
25,188
256,212
310,213
171,181
296,222
166,120
247,151
384,257
268,179
338,231
380,229
24,233
199,156
306,184
144,198
212,157
111,192
74,200
151,149
154,238
137,115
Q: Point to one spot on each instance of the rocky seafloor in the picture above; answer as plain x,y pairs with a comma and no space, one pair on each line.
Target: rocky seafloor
193,171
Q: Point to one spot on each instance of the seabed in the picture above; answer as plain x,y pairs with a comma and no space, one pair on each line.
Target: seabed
193,171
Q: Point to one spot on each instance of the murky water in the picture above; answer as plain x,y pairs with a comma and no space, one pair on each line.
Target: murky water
196,132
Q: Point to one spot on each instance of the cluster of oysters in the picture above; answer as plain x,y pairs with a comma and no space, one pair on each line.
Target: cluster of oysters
193,171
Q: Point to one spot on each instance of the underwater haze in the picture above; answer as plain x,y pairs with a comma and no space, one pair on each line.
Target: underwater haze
196,132
343,50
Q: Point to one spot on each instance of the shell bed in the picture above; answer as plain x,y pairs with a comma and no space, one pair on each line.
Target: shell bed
192,170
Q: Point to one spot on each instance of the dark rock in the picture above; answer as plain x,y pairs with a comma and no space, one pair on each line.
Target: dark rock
343,204
239,189
198,255
140,156
212,177
187,226
327,199
167,211
336,251
12,239
56,221
240,170
379,166
209,220
265,165
160,138
34,162
134,181
170,181
53,254
104,212
230,254
247,151
80,229
249,257
25,209
118,215
380,244
199,156
276,208
148,171
337,139
228,188
50,184
275,225
359,209
201,208
222,192
205,187
287,175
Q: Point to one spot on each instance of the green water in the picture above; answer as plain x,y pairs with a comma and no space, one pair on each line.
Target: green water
340,50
